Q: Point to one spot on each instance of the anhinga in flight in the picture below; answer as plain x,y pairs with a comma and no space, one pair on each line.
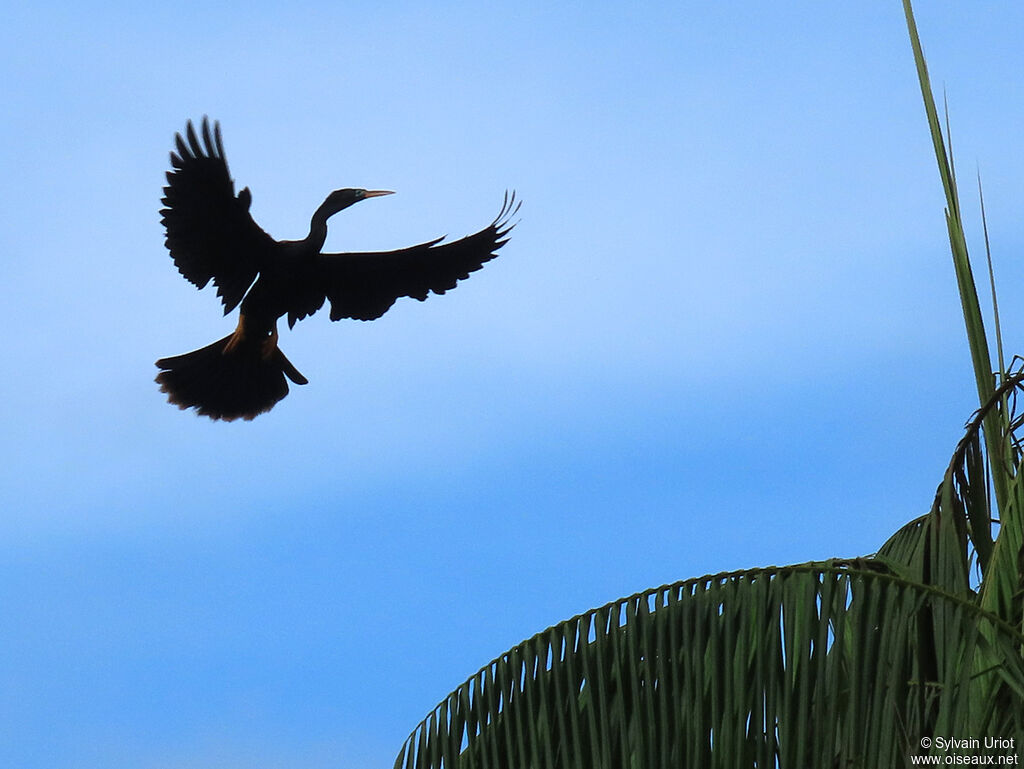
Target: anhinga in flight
211,236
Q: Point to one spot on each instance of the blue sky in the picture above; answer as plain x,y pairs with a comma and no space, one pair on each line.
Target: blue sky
724,334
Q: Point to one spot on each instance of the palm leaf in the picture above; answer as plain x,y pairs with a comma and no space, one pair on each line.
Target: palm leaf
1004,581
759,668
973,320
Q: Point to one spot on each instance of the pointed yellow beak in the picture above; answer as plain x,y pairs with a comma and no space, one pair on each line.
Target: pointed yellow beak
377,193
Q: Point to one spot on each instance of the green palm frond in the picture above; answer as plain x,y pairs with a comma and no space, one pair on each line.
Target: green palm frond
937,548
1002,590
973,320
809,665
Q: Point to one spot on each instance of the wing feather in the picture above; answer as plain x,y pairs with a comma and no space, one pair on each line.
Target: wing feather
210,233
363,286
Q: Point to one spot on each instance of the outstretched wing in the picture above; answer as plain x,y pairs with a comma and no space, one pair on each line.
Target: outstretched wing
365,285
210,233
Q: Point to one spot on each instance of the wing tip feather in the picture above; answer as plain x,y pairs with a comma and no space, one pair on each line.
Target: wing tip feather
208,139
193,140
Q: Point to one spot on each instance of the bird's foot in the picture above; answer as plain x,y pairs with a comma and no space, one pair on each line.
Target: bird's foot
237,337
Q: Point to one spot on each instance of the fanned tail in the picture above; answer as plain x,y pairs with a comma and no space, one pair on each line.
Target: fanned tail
241,383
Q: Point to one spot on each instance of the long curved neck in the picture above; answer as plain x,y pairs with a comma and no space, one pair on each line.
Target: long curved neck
318,226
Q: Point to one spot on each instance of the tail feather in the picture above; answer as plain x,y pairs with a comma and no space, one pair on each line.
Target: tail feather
237,384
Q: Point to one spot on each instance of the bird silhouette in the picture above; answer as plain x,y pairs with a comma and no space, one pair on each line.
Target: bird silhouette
212,237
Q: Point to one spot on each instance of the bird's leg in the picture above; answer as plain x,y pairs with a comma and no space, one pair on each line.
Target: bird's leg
237,337
270,344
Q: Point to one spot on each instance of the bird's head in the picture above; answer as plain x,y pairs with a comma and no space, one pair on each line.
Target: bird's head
342,199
